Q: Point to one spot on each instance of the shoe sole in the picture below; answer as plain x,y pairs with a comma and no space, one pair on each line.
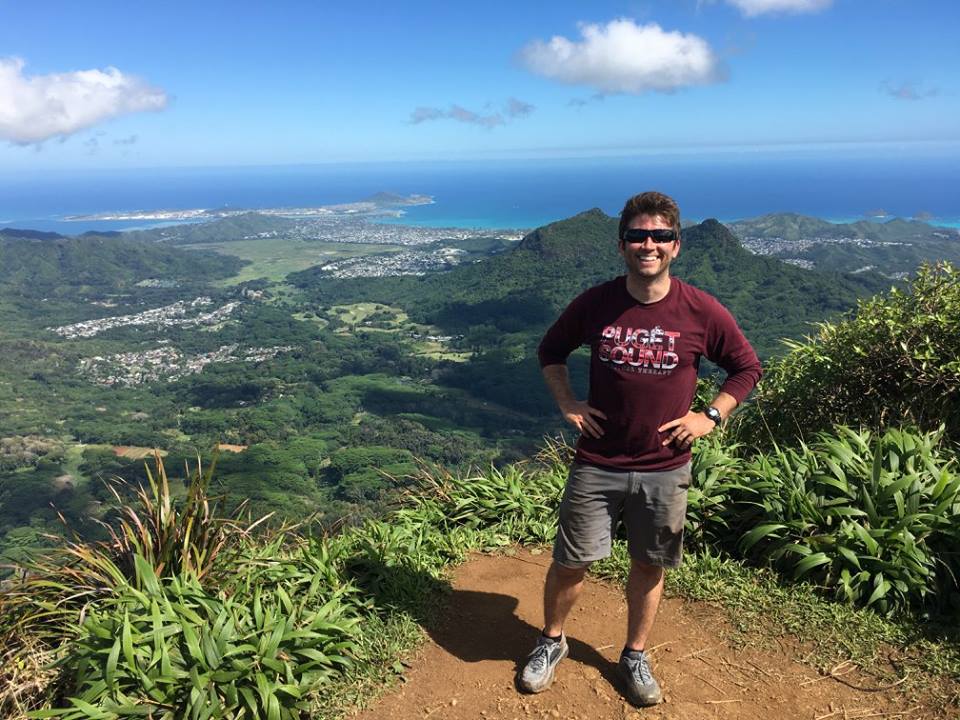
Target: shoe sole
634,700
549,682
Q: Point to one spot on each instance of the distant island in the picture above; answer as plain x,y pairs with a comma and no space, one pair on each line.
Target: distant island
379,204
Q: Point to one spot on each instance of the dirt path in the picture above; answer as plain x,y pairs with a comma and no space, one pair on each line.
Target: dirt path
467,668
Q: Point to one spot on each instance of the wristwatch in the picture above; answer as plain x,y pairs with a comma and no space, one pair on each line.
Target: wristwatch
714,414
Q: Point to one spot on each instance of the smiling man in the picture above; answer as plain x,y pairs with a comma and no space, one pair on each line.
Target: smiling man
647,332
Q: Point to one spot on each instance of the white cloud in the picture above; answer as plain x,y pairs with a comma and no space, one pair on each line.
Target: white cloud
752,8
623,57
39,107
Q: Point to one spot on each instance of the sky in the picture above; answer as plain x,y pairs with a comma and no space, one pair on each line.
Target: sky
177,84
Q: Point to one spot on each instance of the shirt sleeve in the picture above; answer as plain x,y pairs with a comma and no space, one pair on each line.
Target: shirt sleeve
567,333
729,348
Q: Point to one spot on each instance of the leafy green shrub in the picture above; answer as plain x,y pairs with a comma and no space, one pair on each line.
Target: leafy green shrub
520,501
895,361
715,469
872,518
176,650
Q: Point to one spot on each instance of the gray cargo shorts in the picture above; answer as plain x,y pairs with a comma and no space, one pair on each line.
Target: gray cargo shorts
653,506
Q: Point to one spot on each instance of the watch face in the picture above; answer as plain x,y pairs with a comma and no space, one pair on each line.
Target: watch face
713,414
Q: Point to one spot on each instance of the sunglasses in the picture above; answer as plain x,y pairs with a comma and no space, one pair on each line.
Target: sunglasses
635,235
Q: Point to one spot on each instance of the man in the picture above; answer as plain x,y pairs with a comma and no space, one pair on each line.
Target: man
646,332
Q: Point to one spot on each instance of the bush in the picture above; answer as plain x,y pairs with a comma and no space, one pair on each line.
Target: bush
874,519
893,362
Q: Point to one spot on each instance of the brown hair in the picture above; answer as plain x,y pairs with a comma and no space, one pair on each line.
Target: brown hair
650,203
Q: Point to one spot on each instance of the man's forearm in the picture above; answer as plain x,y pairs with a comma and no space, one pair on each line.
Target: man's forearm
558,383
725,403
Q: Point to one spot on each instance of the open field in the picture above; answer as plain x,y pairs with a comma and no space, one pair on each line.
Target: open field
136,453
356,314
274,259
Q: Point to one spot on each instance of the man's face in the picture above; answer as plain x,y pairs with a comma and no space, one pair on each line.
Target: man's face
649,260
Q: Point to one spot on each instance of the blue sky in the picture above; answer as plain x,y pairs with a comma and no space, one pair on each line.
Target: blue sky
110,84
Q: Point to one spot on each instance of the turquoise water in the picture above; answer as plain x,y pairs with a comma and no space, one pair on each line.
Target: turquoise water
509,194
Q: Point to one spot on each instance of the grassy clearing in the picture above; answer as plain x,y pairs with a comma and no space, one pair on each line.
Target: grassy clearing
439,351
308,316
357,313
389,319
273,259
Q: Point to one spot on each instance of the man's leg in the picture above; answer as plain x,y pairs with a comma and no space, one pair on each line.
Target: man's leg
644,588
654,512
588,512
560,593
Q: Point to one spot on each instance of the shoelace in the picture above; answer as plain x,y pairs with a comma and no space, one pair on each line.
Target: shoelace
641,668
539,657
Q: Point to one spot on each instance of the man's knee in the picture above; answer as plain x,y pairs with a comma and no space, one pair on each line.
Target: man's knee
644,568
568,574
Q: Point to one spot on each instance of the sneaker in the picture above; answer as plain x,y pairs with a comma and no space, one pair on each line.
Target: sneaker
537,674
642,687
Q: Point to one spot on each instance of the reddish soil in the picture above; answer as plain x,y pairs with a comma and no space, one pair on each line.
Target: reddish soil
467,668
134,452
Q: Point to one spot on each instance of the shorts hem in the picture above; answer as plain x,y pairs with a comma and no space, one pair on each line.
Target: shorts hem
669,563
576,564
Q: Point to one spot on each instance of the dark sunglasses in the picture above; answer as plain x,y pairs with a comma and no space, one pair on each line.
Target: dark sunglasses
635,235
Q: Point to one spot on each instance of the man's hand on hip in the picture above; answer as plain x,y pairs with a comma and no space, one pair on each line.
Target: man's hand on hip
687,429
583,417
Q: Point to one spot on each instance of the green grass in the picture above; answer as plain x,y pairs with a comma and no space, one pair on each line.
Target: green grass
275,258
356,313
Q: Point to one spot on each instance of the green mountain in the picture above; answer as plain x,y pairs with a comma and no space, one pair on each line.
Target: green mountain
47,264
895,247
247,226
793,226
521,290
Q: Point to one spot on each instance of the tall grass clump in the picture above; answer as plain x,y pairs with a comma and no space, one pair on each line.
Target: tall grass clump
515,504
181,613
895,361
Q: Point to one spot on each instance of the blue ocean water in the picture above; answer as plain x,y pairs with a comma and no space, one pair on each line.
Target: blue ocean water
512,194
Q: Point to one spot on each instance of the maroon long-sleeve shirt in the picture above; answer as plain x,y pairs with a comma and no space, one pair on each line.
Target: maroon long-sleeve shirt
643,366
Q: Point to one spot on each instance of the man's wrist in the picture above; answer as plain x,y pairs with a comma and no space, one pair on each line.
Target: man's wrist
713,414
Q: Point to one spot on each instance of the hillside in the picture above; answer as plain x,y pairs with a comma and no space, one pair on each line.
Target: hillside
228,229
895,247
523,289
47,264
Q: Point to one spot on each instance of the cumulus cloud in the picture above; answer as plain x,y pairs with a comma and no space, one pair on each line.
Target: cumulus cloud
513,109
34,108
623,57
908,91
752,8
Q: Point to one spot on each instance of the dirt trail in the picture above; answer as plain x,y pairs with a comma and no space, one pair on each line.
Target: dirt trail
467,668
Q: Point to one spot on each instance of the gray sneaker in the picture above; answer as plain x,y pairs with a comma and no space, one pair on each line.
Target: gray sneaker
537,674
642,687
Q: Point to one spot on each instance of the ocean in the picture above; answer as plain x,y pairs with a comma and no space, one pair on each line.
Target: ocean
513,193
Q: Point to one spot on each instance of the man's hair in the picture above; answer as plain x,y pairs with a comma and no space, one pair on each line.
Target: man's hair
650,203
